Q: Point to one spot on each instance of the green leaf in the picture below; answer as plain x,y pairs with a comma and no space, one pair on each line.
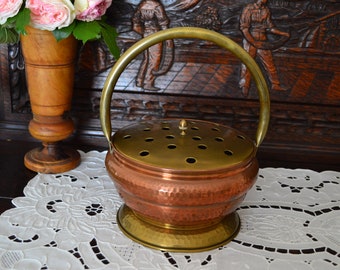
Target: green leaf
109,34
8,35
22,19
65,32
86,31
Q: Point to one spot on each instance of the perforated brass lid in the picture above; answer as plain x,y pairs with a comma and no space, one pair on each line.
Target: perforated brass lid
184,144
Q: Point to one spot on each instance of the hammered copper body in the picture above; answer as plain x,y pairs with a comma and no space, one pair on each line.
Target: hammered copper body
182,179
203,175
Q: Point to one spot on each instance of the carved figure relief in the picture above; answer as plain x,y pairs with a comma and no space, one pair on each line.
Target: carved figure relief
286,59
150,17
255,23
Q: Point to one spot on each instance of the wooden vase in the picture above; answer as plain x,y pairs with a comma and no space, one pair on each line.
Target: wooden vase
50,67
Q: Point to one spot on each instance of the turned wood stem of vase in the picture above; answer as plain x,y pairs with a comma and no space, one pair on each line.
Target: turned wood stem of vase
50,67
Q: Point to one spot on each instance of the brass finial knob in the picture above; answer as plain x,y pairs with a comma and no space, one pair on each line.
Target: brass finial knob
183,126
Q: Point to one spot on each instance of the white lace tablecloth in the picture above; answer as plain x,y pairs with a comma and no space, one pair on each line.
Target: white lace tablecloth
290,220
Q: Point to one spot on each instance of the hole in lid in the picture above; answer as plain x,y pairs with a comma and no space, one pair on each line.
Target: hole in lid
172,146
241,137
191,160
170,136
149,139
219,139
202,146
165,128
194,128
228,152
147,129
196,138
216,129
127,136
144,153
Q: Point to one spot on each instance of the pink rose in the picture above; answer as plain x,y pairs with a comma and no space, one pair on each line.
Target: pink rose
90,10
51,14
8,9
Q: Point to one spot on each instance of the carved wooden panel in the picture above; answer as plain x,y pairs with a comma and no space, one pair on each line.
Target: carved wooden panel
305,64
295,42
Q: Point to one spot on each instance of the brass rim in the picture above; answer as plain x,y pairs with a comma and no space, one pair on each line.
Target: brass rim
177,240
185,32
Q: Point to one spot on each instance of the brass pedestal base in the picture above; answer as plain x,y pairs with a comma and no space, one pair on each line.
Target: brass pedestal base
177,240
52,159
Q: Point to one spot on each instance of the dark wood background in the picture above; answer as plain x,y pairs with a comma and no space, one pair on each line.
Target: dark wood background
203,82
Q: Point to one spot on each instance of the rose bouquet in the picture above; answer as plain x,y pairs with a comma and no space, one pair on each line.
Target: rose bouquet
84,19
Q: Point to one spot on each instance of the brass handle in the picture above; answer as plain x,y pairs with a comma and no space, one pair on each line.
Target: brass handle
185,32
